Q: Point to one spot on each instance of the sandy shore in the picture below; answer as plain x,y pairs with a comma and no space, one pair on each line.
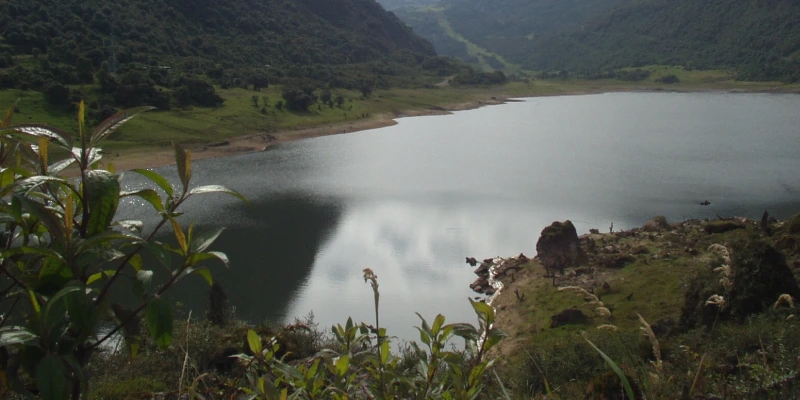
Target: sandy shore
162,156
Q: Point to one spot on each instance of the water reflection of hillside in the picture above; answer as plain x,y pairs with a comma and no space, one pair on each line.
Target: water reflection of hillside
270,256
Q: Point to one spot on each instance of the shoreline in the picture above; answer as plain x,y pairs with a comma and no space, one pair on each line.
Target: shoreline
154,157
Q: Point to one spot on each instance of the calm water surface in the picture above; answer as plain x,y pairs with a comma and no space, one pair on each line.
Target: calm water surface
412,200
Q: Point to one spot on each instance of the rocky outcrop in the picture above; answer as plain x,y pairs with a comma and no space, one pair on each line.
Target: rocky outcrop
492,269
559,247
656,224
722,226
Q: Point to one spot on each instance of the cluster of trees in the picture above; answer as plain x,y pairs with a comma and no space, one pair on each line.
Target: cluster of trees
169,53
759,39
481,78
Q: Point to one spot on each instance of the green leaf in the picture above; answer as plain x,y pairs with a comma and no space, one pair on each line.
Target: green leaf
37,130
148,195
218,189
103,191
202,241
92,157
113,123
100,275
56,308
617,370
183,161
7,177
35,250
254,341
157,179
215,255
160,252
142,284
25,186
59,166
482,308
437,324
385,352
131,225
179,235
465,331
82,315
12,335
107,236
342,365
51,378
205,274
159,321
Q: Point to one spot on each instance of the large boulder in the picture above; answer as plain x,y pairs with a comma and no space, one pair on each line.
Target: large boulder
656,224
559,247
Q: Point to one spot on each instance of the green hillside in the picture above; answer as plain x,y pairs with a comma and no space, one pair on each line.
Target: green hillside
169,53
759,39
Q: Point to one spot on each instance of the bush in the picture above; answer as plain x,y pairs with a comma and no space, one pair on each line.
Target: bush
63,252
668,79
197,92
57,94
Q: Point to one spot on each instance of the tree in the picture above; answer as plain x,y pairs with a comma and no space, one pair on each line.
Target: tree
325,96
339,100
254,99
298,99
366,89
64,251
259,82
197,92
56,94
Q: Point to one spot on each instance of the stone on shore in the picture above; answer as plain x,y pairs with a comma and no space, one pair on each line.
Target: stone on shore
559,247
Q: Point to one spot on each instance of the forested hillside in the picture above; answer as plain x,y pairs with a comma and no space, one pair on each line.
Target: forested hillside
167,52
758,38
392,5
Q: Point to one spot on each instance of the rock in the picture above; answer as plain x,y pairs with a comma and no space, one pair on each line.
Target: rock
482,270
615,261
480,285
705,203
722,226
570,316
594,231
472,261
583,271
656,224
558,247
522,258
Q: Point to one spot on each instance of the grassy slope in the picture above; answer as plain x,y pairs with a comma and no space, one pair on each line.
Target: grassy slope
239,118
473,49
653,286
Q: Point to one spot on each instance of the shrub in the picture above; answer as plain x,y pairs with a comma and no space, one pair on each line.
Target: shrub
63,252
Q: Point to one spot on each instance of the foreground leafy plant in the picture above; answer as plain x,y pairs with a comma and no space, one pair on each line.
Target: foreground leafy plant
62,252
362,366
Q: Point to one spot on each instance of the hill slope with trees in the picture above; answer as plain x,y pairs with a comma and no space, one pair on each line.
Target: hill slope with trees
169,52
759,39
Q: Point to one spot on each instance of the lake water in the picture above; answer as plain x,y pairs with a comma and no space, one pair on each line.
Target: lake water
413,200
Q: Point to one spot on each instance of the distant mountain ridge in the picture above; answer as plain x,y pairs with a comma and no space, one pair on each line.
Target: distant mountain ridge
758,38
278,32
